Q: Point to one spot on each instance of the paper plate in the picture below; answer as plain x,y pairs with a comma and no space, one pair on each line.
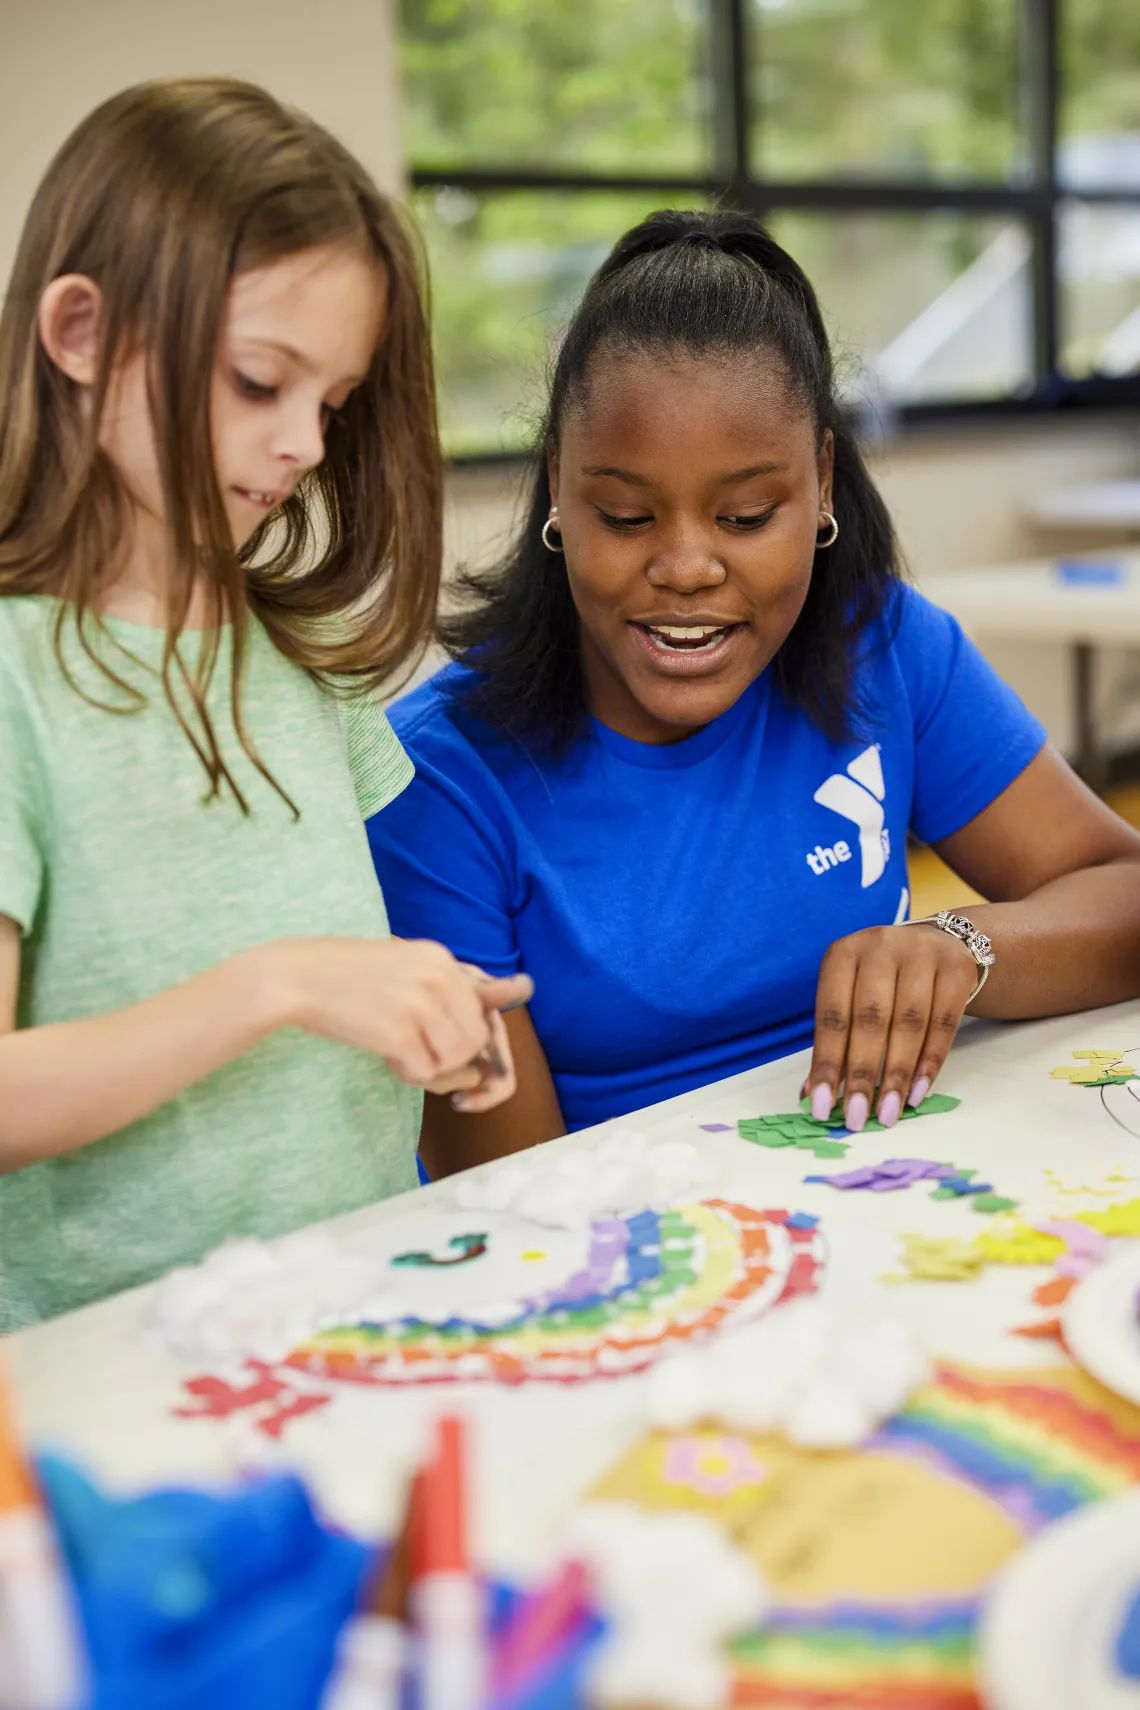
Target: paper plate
1101,1323
1049,1631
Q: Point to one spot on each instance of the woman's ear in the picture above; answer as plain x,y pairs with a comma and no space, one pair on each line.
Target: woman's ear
826,470
71,324
552,473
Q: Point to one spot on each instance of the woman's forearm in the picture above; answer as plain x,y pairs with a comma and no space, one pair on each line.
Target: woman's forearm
66,1085
1073,944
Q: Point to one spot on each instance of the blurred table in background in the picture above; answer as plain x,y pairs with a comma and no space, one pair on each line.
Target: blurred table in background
1083,603
1098,507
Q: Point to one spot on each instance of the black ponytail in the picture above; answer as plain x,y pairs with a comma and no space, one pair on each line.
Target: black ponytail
699,284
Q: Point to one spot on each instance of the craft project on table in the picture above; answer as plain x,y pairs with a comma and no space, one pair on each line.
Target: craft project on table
884,1608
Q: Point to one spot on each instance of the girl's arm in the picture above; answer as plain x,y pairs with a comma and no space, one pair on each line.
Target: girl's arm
450,1141
66,1085
1064,871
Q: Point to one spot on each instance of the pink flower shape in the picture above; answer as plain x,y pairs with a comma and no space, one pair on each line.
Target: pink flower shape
712,1466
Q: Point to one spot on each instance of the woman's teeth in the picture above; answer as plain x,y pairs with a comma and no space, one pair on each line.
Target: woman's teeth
689,638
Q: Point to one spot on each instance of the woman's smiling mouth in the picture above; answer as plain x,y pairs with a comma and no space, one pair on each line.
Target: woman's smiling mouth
686,647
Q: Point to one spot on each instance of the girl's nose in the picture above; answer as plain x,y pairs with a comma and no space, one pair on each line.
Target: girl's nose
301,438
686,562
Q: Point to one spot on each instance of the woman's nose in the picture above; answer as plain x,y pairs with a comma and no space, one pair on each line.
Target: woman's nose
300,439
686,561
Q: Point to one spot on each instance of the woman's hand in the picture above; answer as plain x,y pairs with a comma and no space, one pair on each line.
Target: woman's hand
433,1020
889,998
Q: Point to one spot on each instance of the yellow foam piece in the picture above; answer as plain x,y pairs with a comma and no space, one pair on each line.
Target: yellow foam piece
941,1258
1114,1219
1097,1056
1018,1244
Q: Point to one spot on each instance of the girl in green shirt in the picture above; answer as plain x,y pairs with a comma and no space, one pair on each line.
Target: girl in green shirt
219,531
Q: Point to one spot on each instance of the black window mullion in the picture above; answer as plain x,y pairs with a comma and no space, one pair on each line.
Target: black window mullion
1041,24
731,116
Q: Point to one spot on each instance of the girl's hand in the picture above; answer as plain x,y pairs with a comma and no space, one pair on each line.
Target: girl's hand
411,1003
891,997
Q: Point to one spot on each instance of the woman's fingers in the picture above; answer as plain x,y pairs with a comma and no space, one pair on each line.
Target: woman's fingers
832,1026
914,991
888,1008
872,1007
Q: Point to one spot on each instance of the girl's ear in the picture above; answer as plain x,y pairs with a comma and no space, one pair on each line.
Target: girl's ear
70,326
826,469
552,473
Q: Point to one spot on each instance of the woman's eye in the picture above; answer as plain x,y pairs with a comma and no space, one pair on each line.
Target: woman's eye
253,388
749,521
623,524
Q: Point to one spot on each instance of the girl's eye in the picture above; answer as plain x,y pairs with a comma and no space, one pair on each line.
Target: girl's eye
623,524
253,389
749,522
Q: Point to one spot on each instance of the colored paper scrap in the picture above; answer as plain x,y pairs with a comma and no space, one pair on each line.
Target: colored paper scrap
886,1177
1019,1245
1048,1330
939,1259
1096,1069
1055,1291
934,1104
790,1131
1114,1219
716,1127
992,1202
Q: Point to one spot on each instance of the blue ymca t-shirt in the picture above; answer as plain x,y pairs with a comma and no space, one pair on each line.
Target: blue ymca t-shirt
673,903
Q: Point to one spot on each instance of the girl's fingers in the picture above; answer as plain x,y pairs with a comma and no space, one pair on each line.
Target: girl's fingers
872,1007
460,1081
914,992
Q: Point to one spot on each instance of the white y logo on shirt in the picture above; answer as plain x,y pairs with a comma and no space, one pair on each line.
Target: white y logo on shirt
858,796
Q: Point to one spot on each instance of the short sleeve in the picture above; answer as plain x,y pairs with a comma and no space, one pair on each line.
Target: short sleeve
21,827
380,768
445,868
972,734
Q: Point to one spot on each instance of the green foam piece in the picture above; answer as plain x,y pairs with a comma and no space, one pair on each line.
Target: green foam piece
1109,1081
993,1202
934,1104
945,1193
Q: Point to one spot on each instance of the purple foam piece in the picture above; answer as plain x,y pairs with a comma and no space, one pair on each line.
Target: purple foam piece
848,1178
916,1169
716,1127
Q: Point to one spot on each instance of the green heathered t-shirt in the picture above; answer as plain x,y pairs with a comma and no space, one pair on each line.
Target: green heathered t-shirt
124,881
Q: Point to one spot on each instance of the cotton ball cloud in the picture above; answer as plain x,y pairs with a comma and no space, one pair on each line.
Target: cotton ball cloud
256,1299
623,1173
674,1588
824,1384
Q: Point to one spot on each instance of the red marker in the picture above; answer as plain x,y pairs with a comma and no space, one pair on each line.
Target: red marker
447,1599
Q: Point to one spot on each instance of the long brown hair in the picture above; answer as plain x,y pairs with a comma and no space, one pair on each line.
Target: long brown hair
160,196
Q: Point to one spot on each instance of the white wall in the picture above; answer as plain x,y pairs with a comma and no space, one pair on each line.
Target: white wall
59,58
957,497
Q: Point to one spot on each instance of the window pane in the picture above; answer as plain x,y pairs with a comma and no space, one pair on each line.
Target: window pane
1100,94
886,88
601,85
921,307
507,269
1099,267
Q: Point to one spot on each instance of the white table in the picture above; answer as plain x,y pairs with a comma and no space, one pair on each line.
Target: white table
1108,507
1031,602
94,1384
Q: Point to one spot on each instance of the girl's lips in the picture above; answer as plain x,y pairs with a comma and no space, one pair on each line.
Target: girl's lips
690,661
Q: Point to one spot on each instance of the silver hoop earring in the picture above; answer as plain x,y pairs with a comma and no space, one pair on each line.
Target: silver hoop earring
551,522
832,537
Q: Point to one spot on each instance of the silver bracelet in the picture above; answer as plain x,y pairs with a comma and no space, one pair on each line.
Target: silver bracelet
967,933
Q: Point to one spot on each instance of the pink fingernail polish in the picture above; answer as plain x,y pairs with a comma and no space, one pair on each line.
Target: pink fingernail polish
858,1109
890,1109
821,1102
918,1091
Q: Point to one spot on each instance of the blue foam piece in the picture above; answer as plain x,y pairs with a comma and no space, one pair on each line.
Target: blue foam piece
1075,573
802,1219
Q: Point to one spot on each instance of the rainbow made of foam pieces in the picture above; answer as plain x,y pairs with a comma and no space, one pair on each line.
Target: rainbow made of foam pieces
651,1282
882,1609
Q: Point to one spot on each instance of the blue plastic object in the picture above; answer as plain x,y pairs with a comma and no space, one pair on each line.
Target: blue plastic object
204,1602
1078,573
1128,1642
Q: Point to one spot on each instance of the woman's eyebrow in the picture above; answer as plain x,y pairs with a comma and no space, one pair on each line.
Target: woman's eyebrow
616,474
751,472
737,475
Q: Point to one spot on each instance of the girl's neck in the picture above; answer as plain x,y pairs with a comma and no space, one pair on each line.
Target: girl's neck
140,592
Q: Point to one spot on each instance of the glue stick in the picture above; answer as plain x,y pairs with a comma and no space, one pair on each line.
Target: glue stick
447,1600
41,1654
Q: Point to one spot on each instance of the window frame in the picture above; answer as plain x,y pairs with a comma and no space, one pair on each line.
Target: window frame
1036,200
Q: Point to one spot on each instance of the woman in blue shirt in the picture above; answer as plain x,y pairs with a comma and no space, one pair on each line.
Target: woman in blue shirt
692,719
